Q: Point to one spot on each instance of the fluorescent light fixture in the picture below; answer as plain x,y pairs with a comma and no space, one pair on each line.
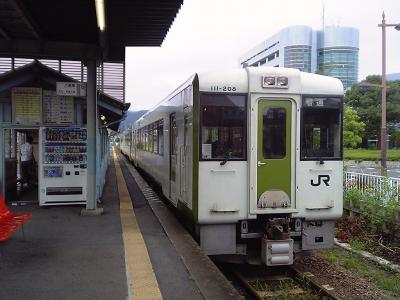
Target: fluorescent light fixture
101,21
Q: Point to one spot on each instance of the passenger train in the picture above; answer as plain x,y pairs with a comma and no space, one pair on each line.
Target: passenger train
253,157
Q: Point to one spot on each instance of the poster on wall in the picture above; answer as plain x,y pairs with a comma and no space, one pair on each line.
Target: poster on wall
57,109
27,105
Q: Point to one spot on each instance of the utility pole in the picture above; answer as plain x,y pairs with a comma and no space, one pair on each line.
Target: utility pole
384,89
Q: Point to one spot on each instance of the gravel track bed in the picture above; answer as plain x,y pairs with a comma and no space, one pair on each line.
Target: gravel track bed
347,284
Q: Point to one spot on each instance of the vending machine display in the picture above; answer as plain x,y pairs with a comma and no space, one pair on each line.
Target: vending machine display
62,161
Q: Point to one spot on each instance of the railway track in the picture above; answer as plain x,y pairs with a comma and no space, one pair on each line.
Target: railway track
281,283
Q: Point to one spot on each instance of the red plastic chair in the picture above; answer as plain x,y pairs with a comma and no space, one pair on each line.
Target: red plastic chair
4,236
6,229
10,222
12,218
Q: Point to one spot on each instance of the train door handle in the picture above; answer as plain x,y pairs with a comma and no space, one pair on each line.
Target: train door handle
259,163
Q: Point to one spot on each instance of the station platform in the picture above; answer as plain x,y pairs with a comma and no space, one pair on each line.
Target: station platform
135,250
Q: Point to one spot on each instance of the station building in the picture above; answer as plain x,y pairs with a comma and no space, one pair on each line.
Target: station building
332,51
29,106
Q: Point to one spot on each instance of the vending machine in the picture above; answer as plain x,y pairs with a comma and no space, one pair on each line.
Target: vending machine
62,166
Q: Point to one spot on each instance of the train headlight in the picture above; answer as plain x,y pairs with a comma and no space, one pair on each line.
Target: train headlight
282,81
268,81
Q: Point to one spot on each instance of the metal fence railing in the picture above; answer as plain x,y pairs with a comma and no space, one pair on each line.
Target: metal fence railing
372,184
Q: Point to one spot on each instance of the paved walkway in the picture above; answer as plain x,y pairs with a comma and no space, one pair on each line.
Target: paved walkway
65,255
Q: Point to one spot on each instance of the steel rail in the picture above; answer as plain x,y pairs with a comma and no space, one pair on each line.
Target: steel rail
304,279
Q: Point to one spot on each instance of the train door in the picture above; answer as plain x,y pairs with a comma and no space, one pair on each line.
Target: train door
274,154
173,159
135,147
185,162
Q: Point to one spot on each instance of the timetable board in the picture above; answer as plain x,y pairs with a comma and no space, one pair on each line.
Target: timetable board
66,109
57,109
27,105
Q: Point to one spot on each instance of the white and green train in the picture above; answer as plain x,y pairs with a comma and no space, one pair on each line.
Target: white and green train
253,157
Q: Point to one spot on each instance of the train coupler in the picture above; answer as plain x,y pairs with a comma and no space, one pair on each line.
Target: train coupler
277,252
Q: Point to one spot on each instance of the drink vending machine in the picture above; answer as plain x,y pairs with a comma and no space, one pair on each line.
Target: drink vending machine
62,166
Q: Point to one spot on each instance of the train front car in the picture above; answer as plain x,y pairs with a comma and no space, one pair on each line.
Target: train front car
270,163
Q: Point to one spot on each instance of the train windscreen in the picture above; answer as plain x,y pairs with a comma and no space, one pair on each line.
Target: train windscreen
223,127
321,132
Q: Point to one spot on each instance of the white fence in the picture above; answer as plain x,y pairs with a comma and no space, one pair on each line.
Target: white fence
367,183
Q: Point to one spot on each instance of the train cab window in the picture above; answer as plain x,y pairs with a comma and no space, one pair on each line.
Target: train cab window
274,133
321,131
223,127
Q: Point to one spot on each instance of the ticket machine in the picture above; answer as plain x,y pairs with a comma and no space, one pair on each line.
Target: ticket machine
62,166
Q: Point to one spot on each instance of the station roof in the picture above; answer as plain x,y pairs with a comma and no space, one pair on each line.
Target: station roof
110,107
68,29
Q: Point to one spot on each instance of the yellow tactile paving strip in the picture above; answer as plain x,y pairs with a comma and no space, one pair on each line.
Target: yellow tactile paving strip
141,278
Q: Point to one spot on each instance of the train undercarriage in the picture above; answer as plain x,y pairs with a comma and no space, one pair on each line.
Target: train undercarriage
275,241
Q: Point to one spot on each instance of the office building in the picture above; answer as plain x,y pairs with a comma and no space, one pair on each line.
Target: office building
332,51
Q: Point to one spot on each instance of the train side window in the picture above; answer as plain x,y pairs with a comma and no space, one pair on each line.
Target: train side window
155,137
223,127
146,138
140,140
151,141
274,133
160,137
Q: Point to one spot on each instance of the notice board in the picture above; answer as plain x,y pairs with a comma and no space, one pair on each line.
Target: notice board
27,105
57,109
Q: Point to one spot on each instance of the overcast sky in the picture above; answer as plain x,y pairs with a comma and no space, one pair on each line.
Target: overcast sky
212,34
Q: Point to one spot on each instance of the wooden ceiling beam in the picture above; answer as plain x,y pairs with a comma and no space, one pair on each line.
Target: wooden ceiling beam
4,34
26,17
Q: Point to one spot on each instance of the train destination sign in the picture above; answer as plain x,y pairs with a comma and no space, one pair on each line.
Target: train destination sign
77,89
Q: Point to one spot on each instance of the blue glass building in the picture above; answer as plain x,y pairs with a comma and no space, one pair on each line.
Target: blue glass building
332,51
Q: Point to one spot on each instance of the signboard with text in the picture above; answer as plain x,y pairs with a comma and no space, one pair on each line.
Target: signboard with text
76,89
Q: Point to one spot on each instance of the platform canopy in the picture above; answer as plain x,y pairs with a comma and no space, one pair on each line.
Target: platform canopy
72,29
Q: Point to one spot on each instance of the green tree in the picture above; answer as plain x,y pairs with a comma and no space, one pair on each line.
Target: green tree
353,128
395,139
367,103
